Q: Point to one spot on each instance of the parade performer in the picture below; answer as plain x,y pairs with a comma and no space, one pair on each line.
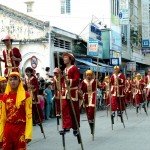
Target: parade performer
70,98
57,90
11,56
106,87
117,82
57,93
147,82
89,90
15,115
3,82
139,98
31,84
71,78
128,91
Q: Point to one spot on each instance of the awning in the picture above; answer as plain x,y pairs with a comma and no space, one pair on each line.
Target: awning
91,66
108,67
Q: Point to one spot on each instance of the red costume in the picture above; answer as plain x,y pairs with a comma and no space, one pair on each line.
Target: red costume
57,94
89,96
147,82
15,123
11,65
72,74
138,92
33,88
15,118
128,91
106,87
117,82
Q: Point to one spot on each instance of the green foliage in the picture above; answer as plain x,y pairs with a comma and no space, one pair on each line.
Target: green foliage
134,36
79,49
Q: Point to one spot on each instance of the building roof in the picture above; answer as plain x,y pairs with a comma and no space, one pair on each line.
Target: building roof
23,17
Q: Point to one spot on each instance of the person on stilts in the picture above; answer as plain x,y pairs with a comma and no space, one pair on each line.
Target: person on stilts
147,82
57,92
31,85
70,97
106,87
11,56
72,75
139,98
117,82
89,90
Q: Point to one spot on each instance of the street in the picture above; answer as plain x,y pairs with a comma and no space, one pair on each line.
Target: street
135,136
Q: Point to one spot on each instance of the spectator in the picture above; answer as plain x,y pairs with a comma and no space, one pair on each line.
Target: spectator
48,99
41,101
48,77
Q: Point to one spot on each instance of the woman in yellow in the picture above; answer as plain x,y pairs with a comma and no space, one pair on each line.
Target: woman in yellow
15,115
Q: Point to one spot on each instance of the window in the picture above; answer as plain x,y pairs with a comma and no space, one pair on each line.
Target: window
124,34
115,7
65,7
62,44
29,6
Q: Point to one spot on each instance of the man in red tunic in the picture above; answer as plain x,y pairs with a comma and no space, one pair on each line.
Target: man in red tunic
32,87
57,90
89,90
128,91
11,56
147,82
70,82
139,98
15,115
106,87
117,82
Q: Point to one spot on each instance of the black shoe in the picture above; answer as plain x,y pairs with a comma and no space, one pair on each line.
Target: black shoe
92,127
112,118
119,113
113,114
62,132
66,130
75,132
137,110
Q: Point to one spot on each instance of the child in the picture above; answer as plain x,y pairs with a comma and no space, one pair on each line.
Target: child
48,99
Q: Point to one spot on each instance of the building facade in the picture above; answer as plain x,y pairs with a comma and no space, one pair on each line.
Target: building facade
35,39
125,41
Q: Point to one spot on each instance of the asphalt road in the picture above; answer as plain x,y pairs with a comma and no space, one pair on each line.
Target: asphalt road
135,136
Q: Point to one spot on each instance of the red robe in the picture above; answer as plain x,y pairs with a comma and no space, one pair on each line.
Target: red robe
117,92
57,94
128,91
147,81
33,88
73,75
89,96
13,66
106,96
16,124
138,94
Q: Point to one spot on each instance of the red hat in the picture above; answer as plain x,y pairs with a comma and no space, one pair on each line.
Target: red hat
69,55
7,37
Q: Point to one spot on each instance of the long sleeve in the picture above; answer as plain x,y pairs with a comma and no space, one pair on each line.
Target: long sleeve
28,108
2,119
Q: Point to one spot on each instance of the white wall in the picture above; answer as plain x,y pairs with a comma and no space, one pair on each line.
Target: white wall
27,51
81,13
40,51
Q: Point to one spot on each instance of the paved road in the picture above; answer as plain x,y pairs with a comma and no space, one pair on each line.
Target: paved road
136,135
